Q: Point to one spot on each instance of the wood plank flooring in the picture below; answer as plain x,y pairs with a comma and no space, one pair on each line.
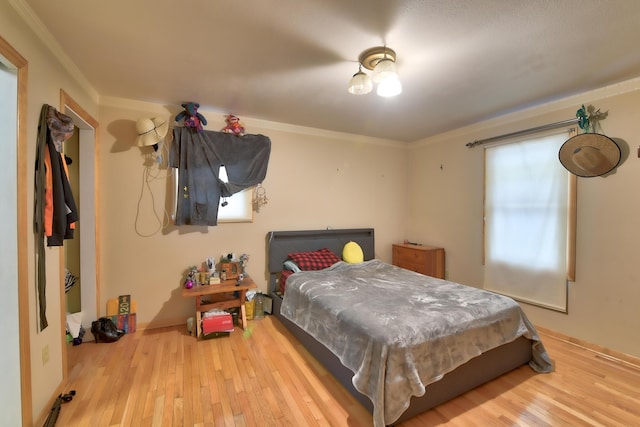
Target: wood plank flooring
264,377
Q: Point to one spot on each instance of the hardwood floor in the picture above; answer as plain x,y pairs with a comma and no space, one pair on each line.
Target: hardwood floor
264,377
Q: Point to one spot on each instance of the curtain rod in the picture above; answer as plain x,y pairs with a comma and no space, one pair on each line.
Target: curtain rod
523,132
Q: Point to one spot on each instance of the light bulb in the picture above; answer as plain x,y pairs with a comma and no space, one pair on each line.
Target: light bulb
390,86
360,84
384,69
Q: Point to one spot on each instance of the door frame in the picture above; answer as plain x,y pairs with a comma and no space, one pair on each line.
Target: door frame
21,64
88,135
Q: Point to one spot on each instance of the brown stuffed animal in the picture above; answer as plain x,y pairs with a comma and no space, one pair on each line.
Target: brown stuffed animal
234,125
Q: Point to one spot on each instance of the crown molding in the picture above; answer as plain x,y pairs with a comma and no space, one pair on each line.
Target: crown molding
135,105
43,33
323,133
539,110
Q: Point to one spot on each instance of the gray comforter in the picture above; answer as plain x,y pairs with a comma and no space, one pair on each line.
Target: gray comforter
399,331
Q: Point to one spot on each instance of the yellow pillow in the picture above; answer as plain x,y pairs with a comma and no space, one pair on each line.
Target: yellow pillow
352,253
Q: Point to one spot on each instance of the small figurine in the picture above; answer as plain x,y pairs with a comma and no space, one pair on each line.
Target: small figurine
211,265
234,125
192,119
192,279
244,260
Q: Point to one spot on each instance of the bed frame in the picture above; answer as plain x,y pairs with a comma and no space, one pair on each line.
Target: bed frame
475,372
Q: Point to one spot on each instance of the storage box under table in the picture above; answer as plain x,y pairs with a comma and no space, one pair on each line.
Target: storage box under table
217,323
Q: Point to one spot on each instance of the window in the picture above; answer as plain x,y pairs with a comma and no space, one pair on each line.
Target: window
528,221
238,207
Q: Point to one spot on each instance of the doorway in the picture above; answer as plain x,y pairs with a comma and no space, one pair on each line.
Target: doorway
72,254
87,253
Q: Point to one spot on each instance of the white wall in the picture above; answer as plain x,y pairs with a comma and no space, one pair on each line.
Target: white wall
10,413
316,179
47,75
446,209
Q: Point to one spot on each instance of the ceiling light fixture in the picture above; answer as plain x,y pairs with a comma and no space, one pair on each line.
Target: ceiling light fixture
382,61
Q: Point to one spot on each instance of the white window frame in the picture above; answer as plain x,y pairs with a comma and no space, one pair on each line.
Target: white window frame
239,206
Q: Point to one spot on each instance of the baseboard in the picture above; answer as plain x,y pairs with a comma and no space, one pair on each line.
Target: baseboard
161,324
44,414
612,354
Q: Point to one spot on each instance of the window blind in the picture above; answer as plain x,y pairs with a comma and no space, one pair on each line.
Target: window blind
527,221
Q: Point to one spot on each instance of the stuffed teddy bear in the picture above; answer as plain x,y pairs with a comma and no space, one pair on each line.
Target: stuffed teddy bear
233,126
192,119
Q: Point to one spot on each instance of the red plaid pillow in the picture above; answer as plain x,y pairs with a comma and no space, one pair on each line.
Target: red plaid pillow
284,275
315,260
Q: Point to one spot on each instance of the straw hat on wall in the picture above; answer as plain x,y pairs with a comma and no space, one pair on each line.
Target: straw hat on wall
151,131
589,154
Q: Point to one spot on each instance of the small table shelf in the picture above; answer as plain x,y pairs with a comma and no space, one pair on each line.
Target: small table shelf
220,296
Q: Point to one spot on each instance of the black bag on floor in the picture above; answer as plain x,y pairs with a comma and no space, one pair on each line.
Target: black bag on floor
105,330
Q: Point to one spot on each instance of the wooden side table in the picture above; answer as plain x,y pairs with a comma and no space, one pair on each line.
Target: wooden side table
427,260
220,296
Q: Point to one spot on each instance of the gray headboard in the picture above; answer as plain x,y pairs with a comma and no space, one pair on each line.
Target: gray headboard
281,243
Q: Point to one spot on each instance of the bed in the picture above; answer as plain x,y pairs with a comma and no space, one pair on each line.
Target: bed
388,376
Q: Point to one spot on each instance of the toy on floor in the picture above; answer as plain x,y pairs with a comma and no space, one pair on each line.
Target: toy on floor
192,119
234,125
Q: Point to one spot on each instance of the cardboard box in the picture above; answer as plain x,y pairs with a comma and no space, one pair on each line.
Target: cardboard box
229,270
217,323
121,305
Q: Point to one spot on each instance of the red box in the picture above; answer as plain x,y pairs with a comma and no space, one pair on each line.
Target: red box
217,323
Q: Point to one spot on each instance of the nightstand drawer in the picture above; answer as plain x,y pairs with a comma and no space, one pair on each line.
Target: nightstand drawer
427,260
418,268
408,255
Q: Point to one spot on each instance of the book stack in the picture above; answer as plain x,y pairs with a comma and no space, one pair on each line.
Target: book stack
122,311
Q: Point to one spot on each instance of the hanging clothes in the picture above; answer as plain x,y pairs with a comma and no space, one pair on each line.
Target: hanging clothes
198,157
55,211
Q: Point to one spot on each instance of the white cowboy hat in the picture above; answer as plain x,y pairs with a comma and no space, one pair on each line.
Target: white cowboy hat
151,131
589,154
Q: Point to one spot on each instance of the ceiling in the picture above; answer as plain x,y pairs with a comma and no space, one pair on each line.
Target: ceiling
289,61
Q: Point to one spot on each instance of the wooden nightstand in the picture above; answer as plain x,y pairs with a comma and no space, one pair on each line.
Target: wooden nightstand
423,259
222,296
